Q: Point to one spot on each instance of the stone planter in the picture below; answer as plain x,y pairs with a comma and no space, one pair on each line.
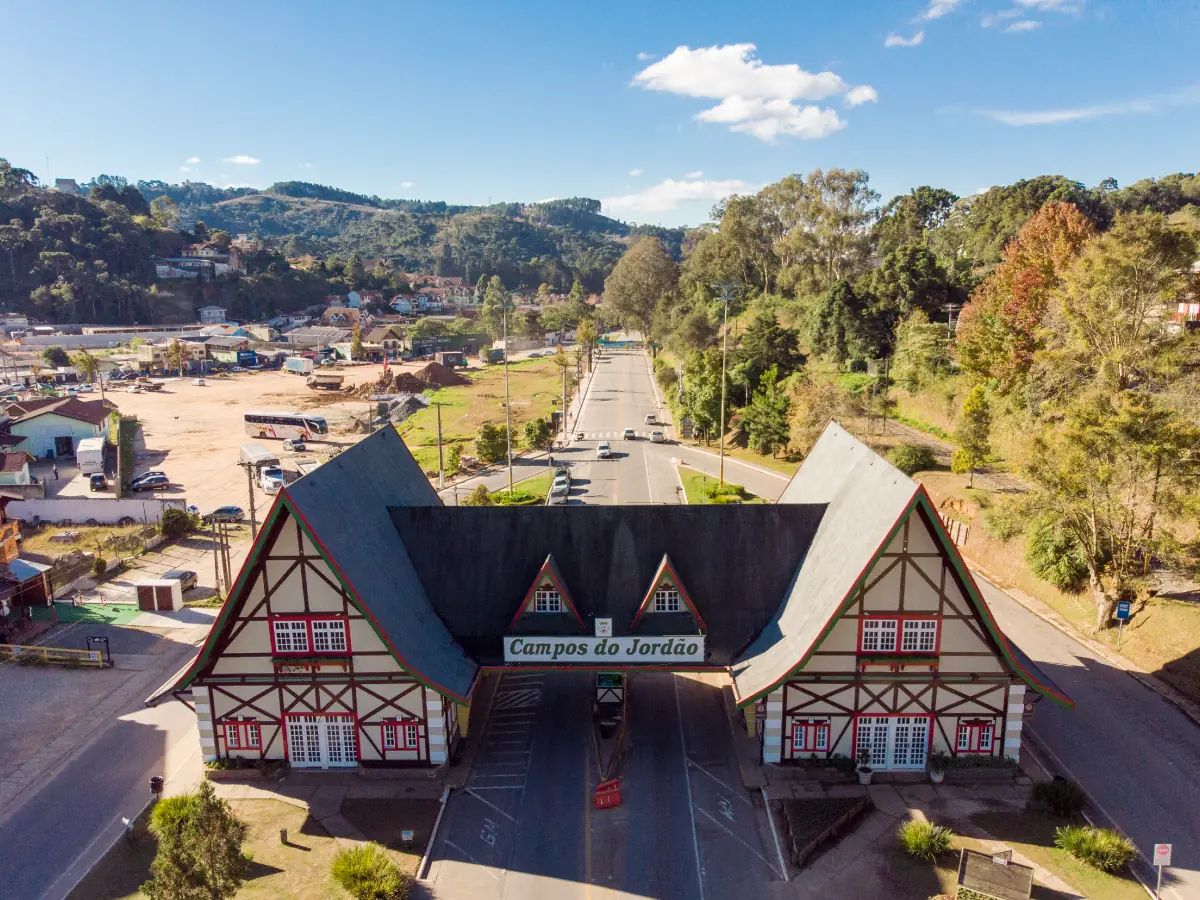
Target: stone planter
247,774
864,774
936,777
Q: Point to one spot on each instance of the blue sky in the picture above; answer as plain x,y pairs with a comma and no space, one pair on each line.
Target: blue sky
657,108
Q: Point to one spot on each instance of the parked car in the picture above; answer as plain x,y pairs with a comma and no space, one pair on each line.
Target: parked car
237,369
628,435
562,485
185,577
151,474
98,482
650,419
657,437
198,382
603,450
225,514
295,444
151,483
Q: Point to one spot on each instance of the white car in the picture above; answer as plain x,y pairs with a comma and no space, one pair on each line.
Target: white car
628,435
294,444
198,382
603,451
657,437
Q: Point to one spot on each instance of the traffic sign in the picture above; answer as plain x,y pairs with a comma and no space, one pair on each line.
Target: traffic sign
1162,854
1122,613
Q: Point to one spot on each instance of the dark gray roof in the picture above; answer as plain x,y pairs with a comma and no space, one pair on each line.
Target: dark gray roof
477,563
865,497
345,502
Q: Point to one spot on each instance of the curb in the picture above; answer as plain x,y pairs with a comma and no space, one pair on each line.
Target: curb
1190,709
739,462
423,867
108,849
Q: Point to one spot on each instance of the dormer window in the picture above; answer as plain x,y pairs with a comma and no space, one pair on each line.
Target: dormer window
666,600
547,601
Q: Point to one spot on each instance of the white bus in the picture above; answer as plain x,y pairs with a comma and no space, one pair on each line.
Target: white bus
285,425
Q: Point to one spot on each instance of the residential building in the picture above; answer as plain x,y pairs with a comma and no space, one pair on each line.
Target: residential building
211,315
56,428
355,636
388,337
317,337
68,186
262,332
14,467
153,357
341,316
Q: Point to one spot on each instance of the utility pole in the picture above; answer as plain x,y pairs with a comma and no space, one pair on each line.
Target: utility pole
225,555
441,465
507,401
564,408
726,296
250,485
216,553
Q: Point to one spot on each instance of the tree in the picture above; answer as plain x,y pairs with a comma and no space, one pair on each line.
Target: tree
814,404
827,231
56,357
199,853
356,342
911,218
973,434
543,292
922,352
586,336
175,356
479,497
842,326
766,418
453,459
642,276
766,345
86,365
165,212
701,399
495,302
491,442
538,435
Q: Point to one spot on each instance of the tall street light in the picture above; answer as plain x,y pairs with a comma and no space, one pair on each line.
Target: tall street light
507,402
726,289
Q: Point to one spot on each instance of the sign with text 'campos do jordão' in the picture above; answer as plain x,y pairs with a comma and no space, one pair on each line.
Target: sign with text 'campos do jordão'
625,649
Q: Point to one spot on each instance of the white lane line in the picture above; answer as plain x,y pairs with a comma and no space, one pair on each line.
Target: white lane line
734,793
499,787
492,805
687,781
449,843
712,819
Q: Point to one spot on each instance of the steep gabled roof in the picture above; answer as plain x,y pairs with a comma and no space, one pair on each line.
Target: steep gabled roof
549,567
867,501
667,570
93,412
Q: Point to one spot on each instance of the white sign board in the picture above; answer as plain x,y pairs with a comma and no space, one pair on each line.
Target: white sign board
604,628
607,650
1162,854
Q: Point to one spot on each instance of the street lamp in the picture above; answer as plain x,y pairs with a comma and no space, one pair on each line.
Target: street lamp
726,289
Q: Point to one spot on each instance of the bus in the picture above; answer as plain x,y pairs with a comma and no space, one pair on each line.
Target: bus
284,425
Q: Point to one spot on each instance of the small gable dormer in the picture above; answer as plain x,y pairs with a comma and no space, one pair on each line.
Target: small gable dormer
547,607
667,607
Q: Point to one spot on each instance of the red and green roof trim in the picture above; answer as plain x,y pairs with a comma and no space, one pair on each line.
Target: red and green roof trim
550,568
666,569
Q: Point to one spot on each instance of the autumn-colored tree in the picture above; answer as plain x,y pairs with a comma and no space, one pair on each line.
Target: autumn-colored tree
1000,328
973,435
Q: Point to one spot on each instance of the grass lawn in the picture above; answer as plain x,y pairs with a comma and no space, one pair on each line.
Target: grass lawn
782,464
537,484
695,482
88,537
534,385
89,613
298,870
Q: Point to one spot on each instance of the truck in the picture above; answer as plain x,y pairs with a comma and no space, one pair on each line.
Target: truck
89,455
325,380
258,456
492,355
298,365
451,358
306,465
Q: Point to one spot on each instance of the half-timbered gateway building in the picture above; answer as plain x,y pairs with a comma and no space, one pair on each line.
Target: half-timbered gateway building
365,611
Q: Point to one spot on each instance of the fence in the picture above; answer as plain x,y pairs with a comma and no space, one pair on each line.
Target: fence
958,531
51,655
82,510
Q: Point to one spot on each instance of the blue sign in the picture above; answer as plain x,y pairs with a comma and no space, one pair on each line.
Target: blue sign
1122,610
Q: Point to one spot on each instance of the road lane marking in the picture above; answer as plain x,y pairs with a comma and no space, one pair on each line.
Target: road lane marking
489,803
713,819
687,780
703,770
449,843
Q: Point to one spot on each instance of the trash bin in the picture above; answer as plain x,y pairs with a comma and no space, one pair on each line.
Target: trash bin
156,784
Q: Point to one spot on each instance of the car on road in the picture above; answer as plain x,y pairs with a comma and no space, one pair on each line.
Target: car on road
562,485
156,482
657,437
603,450
226,514
651,419
97,482
237,369
294,444
198,382
185,577
628,435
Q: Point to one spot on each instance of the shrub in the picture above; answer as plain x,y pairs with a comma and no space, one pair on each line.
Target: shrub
368,873
924,840
538,435
168,814
911,458
99,567
478,497
858,364
516,498
491,442
725,493
1101,848
176,523
1064,799
1003,521
453,459
1055,556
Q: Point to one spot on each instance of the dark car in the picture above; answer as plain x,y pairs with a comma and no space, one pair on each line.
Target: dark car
150,483
151,474
98,483
186,578
226,514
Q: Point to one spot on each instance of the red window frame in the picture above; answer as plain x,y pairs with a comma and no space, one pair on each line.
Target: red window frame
398,728
900,619
811,729
974,732
308,631
238,734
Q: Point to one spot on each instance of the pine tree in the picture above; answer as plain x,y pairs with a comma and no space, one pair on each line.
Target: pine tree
199,849
973,434
766,418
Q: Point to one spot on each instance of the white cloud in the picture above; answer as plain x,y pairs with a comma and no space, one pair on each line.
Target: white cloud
307,166
1143,106
1067,6
407,184
668,194
756,98
1023,25
990,20
692,176
864,93
896,40
193,160
645,57
634,173
185,168
242,160
939,8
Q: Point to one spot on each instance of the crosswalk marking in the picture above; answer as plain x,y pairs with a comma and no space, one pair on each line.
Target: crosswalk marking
606,435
